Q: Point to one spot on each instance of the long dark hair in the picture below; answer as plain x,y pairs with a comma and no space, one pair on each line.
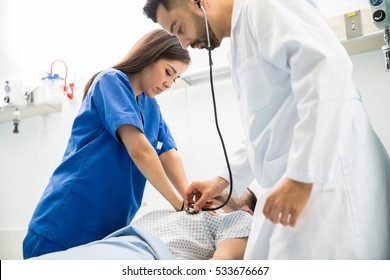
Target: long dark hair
153,46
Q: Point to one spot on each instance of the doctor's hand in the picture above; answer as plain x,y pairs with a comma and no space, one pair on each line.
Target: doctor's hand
285,203
201,192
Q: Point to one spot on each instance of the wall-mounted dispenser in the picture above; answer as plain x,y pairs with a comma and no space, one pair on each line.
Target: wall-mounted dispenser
381,17
26,97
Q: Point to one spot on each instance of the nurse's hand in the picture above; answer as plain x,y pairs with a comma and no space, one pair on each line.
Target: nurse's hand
285,203
201,192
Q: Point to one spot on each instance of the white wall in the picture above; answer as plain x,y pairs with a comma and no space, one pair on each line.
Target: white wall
90,35
87,34
337,7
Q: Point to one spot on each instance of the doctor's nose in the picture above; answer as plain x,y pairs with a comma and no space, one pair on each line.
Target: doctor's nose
185,43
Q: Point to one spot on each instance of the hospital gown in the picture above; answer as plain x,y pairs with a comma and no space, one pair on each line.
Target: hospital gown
195,236
163,235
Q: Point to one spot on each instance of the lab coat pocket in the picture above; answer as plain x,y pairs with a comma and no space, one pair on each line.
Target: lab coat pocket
273,171
255,88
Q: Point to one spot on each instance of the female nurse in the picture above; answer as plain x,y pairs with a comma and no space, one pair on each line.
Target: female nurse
119,140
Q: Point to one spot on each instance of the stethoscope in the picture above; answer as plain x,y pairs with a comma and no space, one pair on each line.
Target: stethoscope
190,208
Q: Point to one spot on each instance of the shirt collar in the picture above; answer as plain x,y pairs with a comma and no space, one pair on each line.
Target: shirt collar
237,7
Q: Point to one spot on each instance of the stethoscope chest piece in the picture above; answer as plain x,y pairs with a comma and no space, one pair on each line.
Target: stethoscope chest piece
190,209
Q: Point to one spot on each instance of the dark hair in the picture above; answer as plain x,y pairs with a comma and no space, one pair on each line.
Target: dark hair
153,46
251,201
150,8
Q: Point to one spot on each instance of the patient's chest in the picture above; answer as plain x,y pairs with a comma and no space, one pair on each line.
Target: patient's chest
195,236
186,236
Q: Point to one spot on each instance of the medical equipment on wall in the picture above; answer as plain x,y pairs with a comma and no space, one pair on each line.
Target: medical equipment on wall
16,120
190,209
51,91
7,90
11,100
381,16
54,86
34,94
7,99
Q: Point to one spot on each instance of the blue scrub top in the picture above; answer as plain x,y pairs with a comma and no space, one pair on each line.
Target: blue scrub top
97,189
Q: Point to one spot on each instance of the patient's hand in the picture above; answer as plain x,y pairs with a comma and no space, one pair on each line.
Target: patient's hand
286,202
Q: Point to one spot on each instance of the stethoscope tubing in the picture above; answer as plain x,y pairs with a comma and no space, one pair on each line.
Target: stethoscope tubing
216,123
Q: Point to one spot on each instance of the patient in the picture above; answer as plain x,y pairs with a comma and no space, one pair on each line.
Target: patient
167,234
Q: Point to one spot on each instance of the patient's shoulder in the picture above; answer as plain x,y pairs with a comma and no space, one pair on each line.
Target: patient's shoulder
155,214
238,213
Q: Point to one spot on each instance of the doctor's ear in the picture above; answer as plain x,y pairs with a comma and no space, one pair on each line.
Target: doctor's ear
198,3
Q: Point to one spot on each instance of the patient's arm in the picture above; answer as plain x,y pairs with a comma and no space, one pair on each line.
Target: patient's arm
230,249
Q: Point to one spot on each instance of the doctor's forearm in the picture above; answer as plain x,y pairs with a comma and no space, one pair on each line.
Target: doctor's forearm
219,183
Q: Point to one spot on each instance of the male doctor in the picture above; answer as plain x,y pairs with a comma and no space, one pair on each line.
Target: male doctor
323,172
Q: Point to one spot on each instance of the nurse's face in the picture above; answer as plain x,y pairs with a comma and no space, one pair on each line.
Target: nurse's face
188,25
159,76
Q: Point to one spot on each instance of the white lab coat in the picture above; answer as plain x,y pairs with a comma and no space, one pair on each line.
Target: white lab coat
304,119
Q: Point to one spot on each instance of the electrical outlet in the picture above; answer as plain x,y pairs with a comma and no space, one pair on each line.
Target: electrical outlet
353,24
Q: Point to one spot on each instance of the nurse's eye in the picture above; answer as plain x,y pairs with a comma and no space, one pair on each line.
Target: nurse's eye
168,73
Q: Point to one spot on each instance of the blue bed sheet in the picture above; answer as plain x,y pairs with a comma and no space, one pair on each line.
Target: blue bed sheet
129,243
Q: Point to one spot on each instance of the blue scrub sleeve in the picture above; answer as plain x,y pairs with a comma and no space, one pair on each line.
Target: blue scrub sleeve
115,101
165,137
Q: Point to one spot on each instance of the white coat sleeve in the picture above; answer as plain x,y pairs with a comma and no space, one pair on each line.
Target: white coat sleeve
241,170
295,37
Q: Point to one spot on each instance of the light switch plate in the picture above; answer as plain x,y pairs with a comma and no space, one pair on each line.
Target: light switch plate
353,24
